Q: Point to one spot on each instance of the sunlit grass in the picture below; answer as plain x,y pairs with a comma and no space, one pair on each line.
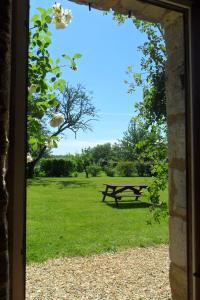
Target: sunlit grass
65,217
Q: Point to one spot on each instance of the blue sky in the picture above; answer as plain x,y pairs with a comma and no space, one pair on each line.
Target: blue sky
107,49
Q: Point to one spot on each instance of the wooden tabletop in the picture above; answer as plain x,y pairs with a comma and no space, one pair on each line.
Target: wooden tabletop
125,184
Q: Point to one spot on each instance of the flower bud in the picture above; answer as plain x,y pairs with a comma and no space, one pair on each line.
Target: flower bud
29,158
32,89
56,120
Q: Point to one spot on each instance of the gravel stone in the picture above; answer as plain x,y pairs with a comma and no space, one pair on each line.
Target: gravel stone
133,274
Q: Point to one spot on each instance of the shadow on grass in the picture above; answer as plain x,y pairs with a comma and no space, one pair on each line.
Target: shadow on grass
58,182
128,205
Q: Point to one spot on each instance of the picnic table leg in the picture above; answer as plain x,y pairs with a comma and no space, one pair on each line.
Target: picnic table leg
104,195
136,192
116,201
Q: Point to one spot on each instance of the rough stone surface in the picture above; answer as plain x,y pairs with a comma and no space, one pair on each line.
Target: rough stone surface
177,192
177,241
175,87
138,8
178,282
176,137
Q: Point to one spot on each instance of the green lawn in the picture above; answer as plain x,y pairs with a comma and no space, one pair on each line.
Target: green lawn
65,217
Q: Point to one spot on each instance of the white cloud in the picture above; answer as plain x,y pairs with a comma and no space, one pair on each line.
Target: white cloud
74,146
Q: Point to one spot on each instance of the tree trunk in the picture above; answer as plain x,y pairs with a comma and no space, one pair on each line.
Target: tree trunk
31,165
30,169
86,172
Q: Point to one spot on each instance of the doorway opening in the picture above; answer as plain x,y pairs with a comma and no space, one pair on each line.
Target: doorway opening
178,208
125,157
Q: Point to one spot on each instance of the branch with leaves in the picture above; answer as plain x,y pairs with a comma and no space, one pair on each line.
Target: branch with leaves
45,85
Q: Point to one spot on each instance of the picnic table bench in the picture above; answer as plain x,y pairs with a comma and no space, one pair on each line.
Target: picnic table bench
118,191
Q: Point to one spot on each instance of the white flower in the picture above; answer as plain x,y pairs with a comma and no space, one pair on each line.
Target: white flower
60,25
32,89
61,17
29,158
49,144
56,120
67,16
57,7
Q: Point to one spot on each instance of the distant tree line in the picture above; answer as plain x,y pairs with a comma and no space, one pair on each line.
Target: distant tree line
127,157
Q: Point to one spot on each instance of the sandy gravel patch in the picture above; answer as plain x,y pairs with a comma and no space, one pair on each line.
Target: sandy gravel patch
139,273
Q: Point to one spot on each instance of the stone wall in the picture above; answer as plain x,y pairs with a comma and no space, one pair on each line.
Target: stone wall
5,35
175,87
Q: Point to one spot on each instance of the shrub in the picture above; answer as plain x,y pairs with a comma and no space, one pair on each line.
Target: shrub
94,170
38,172
144,168
126,168
109,171
57,167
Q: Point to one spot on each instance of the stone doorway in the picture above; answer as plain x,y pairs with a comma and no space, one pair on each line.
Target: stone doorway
175,21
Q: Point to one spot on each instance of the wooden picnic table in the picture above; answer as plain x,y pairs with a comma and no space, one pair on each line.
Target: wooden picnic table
118,191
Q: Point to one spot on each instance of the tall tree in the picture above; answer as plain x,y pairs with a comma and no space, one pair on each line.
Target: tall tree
74,111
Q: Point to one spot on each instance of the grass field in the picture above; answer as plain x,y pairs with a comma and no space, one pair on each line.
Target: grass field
65,217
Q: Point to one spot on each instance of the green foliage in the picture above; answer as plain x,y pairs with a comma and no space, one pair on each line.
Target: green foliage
126,168
151,112
153,74
159,182
109,171
159,208
144,168
101,153
94,170
57,167
44,77
38,172
49,95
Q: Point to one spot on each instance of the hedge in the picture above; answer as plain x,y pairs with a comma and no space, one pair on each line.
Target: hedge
57,167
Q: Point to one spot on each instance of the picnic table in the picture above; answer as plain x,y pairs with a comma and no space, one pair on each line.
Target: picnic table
118,191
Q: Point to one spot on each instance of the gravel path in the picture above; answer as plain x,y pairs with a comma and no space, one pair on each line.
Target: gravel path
139,273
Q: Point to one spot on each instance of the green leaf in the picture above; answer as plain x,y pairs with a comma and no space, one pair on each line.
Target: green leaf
66,57
48,19
57,61
35,18
77,55
53,79
41,10
32,141
38,22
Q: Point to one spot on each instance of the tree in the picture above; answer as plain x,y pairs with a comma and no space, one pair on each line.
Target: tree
144,145
86,160
152,109
74,111
46,86
135,133
102,153
153,71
